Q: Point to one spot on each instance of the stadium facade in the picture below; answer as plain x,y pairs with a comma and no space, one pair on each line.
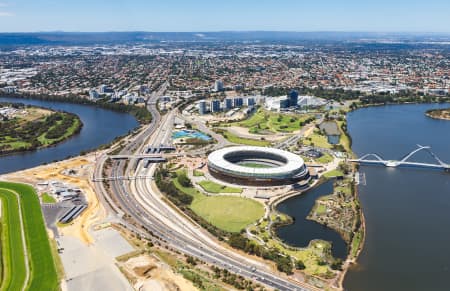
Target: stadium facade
257,166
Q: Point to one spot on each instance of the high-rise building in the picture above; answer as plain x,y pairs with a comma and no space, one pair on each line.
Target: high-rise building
228,104
218,86
202,107
105,89
284,102
93,94
250,101
238,102
215,105
293,98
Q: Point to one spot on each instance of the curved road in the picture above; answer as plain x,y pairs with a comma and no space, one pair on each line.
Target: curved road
144,205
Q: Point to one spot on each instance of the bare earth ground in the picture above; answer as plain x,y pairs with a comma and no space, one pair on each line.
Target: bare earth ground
152,275
83,165
90,250
243,132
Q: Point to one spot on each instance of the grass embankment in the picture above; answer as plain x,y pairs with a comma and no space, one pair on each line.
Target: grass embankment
245,141
43,275
212,187
47,198
325,159
333,173
198,173
317,139
228,213
263,121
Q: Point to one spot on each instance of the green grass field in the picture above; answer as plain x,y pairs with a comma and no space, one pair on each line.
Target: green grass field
325,159
212,187
43,275
198,173
47,198
333,173
263,120
13,265
246,141
317,140
254,165
225,212
69,132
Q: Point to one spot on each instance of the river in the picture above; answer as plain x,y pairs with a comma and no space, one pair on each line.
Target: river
407,210
303,230
100,126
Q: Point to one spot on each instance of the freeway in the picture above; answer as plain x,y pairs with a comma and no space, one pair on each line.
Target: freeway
145,206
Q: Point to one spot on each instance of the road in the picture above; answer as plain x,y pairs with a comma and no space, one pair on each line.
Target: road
148,212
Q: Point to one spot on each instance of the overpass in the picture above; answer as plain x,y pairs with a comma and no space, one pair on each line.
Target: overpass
153,157
378,160
122,178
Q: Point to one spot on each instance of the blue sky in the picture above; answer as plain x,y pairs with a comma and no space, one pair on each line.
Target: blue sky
203,15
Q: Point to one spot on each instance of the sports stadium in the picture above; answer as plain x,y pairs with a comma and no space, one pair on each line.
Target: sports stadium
257,166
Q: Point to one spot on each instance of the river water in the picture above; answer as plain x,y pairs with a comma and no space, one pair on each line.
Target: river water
302,231
100,126
407,210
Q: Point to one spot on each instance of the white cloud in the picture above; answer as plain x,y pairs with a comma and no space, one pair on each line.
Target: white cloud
6,14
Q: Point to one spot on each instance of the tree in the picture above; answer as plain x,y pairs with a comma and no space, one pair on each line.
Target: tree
184,180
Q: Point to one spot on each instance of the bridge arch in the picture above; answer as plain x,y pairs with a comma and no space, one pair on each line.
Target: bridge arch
377,157
425,148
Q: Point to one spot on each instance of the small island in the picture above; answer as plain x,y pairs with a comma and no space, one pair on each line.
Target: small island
27,128
439,113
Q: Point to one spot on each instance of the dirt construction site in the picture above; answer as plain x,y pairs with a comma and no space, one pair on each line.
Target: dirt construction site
89,247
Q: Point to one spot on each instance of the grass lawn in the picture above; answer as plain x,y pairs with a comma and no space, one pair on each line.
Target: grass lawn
321,209
317,140
47,198
246,141
212,187
344,139
254,165
325,159
69,132
270,121
43,275
356,242
333,173
225,212
198,173
13,259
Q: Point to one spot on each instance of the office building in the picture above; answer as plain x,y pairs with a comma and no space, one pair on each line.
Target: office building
215,105
202,107
238,102
293,98
228,104
218,86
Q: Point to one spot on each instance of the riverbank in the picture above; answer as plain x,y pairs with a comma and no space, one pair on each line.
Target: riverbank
395,239
139,112
100,127
29,128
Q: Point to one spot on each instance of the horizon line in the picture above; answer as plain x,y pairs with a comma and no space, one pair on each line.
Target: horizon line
236,31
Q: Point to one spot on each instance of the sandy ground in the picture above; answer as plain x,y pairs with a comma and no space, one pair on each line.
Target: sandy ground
56,171
243,132
152,275
308,131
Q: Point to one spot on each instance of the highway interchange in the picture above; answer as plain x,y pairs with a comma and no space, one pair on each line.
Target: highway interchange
151,215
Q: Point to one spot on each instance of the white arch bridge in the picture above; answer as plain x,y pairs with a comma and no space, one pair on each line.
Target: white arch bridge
376,159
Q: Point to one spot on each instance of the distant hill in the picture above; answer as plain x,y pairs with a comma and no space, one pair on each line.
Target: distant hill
90,38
